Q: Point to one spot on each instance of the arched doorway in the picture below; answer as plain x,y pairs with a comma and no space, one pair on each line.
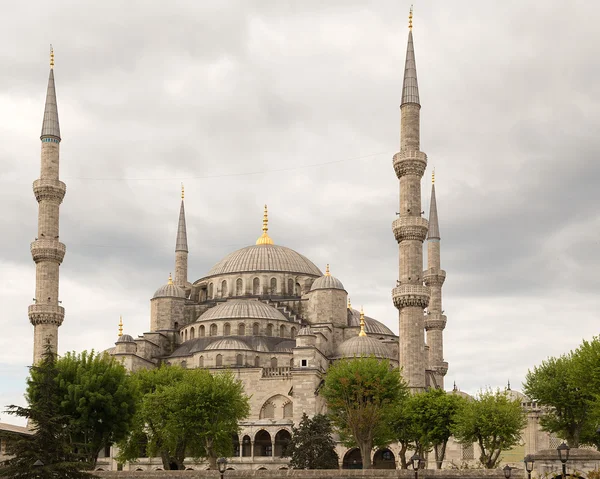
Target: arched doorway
384,459
282,438
352,459
262,444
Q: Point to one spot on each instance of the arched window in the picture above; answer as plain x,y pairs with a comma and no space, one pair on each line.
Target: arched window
213,329
255,329
219,361
241,329
292,363
239,287
273,362
226,329
273,285
223,289
186,334
210,291
176,325
192,333
290,287
293,332
288,410
257,362
201,362
282,331
269,330
298,289
201,331
256,286
268,411
239,360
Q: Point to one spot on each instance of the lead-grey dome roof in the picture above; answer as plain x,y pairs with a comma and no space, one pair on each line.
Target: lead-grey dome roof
125,338
228,343
359,346
169,290
264,257
242,309
327,282
372,326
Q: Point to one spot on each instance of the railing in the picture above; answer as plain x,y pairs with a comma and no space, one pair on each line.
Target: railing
276,372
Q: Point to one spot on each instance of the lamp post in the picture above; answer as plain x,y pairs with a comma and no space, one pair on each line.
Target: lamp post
37,465
416,464
529,460
563,455
507,470
222,465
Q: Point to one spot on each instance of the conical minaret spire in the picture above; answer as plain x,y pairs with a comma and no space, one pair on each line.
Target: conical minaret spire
410,229
181,247
47,251
434,278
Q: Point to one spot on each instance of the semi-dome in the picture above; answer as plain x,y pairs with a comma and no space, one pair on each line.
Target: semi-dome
285,346
265,257
305,331
125,338
242,309
359,346
327,282
372,326
228,343
169,290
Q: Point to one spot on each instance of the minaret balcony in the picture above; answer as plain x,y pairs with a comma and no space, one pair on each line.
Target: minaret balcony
45,189
434,277
410,295
410,228
435,321
410,162
440,369
46,314
48,250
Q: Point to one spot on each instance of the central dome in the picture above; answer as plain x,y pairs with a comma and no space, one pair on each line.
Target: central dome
265,257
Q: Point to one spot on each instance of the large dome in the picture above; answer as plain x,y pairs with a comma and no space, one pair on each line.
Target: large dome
265,257
242,309
359,346
227,343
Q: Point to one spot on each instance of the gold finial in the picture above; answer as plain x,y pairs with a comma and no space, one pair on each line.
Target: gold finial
433,177
182,191
410,15
120,326
265,239
170,279
51,56
327,273
349,304
362,322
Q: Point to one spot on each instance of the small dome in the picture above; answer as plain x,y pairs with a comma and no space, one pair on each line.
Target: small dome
242,309
228,343
372,326
327,282
125,338
169,290
363,346
305,331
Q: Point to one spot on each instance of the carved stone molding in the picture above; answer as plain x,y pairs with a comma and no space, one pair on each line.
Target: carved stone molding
53,190
410,163
48,250
410,295
46,314
410,228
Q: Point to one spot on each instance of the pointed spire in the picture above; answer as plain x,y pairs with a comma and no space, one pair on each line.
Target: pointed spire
170,279
120,326
434,227
264,238
349,304
410,87
362,323
327,273
50,126
181,243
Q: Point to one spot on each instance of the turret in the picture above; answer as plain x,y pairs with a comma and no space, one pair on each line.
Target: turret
410,229
181,248
434,278
167,307
327,301
47,251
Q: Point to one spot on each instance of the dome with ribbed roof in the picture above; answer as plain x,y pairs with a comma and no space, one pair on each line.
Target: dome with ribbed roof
228,343
169,290
265,257
372,326
305,331
359,346
327,282
125,338
242,309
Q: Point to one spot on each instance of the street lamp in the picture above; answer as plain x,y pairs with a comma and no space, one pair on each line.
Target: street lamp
563,455
507,470
222,465
416,464
528,460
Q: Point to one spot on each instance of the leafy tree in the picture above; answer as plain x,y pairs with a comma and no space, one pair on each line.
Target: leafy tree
186,412
312,446
494,421
568,386
50,441
404,427
360,394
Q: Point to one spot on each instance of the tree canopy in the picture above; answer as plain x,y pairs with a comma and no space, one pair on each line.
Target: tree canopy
185,412
312,446
494,421
360,395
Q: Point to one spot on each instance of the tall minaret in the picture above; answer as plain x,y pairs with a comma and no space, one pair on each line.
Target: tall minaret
434,277
45,314
181,248
410,229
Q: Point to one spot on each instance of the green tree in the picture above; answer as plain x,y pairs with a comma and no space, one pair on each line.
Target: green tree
50,440
360,395
186,413
404,427
312,446
97,396
492,420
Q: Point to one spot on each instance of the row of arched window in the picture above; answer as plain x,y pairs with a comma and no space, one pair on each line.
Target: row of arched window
241,331
292,288
240,362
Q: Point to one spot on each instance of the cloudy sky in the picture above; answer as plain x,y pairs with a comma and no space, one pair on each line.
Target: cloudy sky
295,104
